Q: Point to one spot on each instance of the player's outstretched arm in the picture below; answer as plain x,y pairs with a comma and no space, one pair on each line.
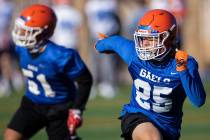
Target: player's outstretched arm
190,78
125,48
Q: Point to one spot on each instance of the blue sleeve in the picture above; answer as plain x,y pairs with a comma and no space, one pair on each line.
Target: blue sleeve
192,83
71,64
123,47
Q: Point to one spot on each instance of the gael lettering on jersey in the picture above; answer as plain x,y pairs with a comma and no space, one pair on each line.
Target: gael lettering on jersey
148,75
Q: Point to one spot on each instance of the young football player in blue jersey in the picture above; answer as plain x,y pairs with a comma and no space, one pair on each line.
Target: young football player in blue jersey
162,78
58,81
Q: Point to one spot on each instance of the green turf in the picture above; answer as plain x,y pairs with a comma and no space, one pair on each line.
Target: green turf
101,123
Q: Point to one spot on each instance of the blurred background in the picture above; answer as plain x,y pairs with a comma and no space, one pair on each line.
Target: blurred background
79,21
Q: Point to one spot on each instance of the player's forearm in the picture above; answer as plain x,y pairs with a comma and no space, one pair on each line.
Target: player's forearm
108,44
193,87
84,82
118,44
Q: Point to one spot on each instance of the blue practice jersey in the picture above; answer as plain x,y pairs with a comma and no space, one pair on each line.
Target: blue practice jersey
50,75
158,91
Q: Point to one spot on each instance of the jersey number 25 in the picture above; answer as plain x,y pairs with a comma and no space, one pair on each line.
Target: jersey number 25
153,97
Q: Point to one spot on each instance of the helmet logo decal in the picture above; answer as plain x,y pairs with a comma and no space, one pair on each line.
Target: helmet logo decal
24,18
146,29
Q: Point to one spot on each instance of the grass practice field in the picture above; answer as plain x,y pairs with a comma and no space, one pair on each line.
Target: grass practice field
101,123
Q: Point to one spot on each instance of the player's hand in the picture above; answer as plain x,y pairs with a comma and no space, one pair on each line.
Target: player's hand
181,60
74,121
102,36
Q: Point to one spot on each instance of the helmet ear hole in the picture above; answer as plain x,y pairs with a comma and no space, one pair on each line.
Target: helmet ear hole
164,35
46,34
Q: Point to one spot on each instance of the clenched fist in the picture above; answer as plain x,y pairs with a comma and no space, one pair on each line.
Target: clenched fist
181,60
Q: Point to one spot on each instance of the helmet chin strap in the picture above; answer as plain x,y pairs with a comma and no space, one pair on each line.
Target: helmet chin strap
38,48
164,58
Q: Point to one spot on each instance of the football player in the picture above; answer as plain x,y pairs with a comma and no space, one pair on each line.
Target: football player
162,78
58,81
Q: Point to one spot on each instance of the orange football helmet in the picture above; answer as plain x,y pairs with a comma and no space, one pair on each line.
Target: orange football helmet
35,24
159,27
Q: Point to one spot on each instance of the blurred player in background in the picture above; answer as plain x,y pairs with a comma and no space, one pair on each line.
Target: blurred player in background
68,24
102,17
58,82
130,17
162,78
10,77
